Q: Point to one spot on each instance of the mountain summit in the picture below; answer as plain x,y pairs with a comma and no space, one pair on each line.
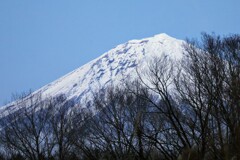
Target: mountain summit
112,67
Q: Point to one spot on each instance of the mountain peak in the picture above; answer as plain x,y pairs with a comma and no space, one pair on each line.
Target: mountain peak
112,67
156,38
162,36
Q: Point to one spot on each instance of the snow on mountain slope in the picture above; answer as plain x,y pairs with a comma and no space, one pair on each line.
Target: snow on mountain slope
112,67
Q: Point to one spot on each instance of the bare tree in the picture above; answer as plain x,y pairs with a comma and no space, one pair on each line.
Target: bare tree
158,79
25,131
207,86
119,128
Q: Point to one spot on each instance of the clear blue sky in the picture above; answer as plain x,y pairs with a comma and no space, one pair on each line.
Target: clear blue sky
41,40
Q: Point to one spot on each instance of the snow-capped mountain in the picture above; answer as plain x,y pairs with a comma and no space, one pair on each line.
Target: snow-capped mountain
112,67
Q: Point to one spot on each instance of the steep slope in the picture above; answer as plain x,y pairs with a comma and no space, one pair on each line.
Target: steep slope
112,67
